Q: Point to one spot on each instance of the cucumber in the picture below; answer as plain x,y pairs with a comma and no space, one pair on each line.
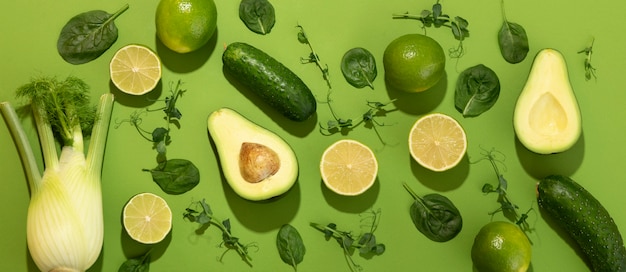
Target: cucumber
270,80
583,217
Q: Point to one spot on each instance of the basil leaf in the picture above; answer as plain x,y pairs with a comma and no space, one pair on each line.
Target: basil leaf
257,15
290,246
436,217
359,67
477,90
176,176
88,35
513,42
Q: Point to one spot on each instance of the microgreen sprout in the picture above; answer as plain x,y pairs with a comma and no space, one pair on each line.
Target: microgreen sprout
201,213
365,242
590,71
436,18
507,207
338,124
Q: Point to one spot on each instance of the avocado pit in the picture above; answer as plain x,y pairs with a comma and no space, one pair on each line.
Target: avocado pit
257,162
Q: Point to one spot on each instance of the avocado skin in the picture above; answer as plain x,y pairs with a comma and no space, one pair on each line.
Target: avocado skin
583,217
272,81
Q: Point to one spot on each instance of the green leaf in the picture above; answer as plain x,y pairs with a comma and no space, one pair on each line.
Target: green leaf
290,245
477,90
258,15
513,42
176,176
88,35
140,264
359,67
435,216
159,134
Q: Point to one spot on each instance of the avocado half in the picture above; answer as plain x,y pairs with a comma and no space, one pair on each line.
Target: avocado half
257,163
547,118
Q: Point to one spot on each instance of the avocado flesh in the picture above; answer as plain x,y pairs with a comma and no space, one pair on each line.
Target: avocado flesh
257,163
546,117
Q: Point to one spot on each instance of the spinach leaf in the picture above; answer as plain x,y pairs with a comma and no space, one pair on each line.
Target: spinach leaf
140,264
88,35
435,216
512,40
175,176
257,15
477,90
290,246
359,67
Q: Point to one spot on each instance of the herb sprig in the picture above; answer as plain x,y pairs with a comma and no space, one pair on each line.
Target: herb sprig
507,207
365,242
174,176
590,71
201,213
338,124
436,18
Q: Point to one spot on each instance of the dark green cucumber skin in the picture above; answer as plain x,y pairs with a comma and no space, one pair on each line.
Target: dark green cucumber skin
582,216
272,81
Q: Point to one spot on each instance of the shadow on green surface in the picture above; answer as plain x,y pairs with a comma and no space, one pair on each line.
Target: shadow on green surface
137,101
133,249
441,181
352,204
295,128
539,166
554,225
422,102
186,62
266,215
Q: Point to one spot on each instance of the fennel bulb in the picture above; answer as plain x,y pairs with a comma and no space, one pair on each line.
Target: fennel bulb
65,219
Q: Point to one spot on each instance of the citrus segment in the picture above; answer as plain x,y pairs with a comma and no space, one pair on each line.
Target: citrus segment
413,63
437,142
348,167
502,247
135,69
147,218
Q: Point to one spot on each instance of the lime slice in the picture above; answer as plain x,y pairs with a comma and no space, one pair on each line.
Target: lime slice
135,69
348,167
147,218
437,142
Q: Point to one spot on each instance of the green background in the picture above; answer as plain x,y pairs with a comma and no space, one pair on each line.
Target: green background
28,49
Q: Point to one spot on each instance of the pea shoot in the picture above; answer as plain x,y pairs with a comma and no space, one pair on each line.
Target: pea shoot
201,213
365,243
507,207
338,124
436,18
590,71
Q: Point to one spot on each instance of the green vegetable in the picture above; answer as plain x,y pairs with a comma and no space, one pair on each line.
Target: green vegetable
512,40
88,35
290,246
435,216
272,81
338,124
590,71
366,242
205,218
506,206
477,90
139,264
257,15
175,176
436,18
584,218
65,211
359,67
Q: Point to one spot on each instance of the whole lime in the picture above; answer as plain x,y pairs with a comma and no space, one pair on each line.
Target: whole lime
413,63
185,25
501,246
